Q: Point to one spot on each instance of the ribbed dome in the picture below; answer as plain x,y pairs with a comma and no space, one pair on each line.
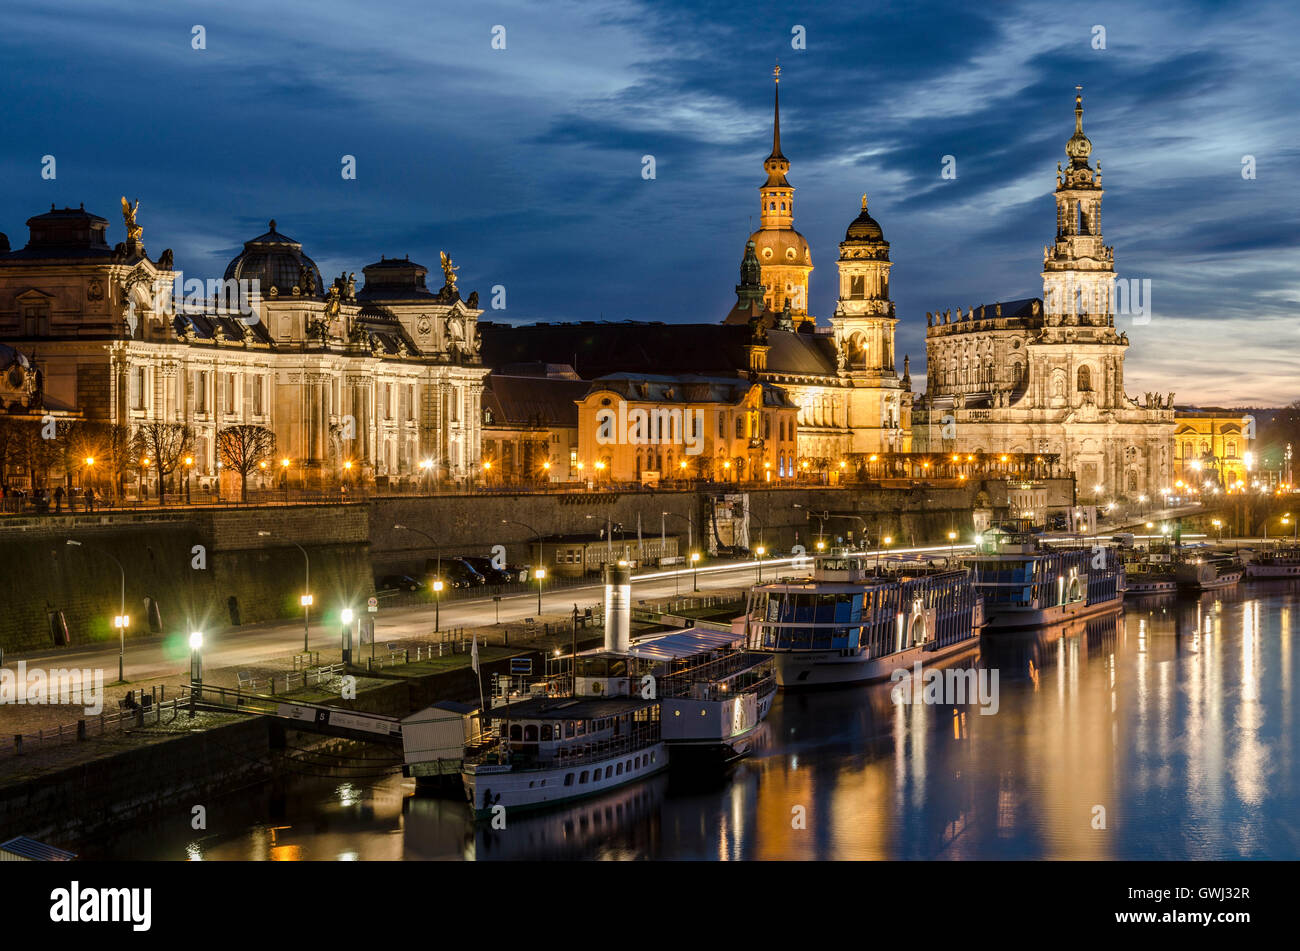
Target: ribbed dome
864,227
276,260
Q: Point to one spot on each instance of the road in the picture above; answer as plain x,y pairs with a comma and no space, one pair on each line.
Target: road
153,657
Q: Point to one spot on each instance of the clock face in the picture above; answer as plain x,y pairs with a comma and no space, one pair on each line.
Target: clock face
423,326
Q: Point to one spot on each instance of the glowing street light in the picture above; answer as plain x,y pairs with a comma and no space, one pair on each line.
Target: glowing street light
346,634
121,620
695,569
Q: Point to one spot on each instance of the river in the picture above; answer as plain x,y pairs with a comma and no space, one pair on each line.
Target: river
1164,732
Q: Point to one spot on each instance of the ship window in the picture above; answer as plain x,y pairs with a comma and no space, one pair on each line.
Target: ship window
582,778
516,732
568,729
619,771
637,761
530,733
546,732
568,779
609,771
653,757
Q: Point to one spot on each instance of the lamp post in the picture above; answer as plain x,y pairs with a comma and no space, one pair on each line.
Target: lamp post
122,621
760,551
437,575
345,616
539,569
952,544
695,570
196,667
306,599
690,529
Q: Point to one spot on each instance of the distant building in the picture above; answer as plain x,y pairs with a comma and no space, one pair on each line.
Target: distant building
651,428
530,424
1214,446
1026,376
377,379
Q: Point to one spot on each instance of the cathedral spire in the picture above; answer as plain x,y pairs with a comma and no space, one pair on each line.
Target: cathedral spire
776,114
776,164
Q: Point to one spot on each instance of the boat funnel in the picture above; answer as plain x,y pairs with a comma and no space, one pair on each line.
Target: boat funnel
618,607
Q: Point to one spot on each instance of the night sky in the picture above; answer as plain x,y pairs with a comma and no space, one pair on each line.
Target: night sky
525,164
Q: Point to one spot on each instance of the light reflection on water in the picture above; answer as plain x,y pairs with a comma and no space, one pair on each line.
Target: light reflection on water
1162,733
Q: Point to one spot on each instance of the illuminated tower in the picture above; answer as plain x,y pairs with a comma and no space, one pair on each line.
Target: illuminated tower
783,253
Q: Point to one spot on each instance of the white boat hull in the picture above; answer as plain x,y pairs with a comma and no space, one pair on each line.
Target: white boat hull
489,786
1008,619
795,669
1273,571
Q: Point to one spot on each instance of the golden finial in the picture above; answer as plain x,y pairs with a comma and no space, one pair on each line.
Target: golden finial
864,201
776,73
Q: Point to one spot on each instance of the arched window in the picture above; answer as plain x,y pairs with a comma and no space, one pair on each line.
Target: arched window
530,733
1084,379
1232,449
516,732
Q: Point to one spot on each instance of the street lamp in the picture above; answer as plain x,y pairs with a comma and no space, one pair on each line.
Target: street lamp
306,599
695,570
121,621
346,617
196,657
952,544
437,604
760,551
539,570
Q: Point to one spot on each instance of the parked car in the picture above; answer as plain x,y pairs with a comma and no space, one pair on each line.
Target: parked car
733,551
492,574
456,572
399,583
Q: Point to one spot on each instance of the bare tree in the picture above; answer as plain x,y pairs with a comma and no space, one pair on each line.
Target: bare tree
242,448
165,445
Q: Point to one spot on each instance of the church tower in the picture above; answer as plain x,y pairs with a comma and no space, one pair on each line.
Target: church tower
864,315
783,253
879,406
1078,270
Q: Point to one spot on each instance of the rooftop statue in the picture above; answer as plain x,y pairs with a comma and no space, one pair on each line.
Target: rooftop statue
133,230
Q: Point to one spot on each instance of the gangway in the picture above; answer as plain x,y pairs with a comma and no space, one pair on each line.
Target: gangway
308,717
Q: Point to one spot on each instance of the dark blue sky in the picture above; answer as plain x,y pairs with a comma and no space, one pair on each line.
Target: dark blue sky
525,163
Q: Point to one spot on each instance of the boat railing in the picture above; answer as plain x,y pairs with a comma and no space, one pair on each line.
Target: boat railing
499,752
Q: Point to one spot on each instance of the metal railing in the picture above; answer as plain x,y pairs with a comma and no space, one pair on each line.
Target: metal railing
639,739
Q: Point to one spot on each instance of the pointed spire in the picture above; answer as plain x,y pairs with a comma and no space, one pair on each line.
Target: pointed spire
776,164
776,113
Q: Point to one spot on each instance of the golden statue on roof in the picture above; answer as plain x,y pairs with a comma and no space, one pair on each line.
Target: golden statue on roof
133,230
449,271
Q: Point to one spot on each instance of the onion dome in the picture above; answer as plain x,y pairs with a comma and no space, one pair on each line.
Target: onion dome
278,262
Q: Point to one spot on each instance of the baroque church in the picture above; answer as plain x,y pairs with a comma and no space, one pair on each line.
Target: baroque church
842,378
373,381
1046,375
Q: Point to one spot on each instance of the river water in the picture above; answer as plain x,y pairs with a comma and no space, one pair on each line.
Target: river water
1164,732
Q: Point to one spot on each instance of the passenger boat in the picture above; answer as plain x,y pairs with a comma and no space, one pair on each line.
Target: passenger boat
1282,562
1208,572
715,695
1027,580
849,623
551,749
1150,571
